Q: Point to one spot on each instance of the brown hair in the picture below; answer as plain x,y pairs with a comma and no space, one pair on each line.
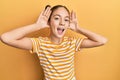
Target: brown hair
56,7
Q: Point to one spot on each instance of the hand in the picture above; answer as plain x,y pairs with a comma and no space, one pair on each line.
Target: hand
73,21
43,18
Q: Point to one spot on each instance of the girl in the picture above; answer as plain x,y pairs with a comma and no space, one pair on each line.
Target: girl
56,52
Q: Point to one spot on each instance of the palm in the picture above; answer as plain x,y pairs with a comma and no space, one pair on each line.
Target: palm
73,21
73,26
43,18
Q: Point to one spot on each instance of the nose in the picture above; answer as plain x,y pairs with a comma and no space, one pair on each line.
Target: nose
62,23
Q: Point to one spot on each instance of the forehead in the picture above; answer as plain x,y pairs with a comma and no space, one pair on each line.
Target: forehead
61,11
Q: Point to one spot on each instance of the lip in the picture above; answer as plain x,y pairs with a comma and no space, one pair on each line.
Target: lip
60,30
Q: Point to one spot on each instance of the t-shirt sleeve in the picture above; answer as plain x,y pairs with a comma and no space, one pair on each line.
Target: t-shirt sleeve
78,42
35,45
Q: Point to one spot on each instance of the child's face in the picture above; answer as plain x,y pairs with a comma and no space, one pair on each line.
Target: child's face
59,22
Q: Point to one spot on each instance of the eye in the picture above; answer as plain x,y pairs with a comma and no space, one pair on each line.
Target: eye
67,20
56,18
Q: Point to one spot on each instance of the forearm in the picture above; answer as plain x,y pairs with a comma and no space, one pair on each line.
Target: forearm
91,35
20,32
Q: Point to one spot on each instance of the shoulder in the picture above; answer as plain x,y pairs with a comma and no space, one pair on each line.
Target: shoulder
70,39
73,39
43,38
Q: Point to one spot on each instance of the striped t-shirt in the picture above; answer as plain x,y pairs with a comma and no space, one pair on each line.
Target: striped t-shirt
56,60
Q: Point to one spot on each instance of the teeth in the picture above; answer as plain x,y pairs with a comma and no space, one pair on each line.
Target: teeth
60,29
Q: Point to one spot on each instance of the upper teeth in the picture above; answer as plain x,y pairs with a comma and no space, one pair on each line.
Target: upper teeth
60,29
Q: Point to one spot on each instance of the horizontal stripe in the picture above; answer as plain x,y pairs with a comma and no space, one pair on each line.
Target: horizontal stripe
62,75
56,51
57,61
47,47
51,65
56,56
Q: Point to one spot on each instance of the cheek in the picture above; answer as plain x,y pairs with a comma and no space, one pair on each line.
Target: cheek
67,24
54,23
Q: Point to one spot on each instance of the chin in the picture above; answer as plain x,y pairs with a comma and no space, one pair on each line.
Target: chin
60,36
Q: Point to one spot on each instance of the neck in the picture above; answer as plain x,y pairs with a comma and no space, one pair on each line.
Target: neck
55,39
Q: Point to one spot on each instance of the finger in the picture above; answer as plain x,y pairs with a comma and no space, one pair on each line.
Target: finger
72,15
41,14
48,14
46,11
47,6
75,17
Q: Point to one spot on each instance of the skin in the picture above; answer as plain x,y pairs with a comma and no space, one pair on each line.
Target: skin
59,19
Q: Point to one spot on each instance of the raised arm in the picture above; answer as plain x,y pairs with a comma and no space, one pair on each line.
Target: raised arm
92,40
16,37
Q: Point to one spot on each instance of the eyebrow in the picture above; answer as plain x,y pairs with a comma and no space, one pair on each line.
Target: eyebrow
60,15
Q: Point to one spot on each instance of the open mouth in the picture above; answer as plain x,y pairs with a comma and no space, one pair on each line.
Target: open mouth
60,30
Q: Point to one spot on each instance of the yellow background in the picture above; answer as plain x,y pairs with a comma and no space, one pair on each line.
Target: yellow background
100,16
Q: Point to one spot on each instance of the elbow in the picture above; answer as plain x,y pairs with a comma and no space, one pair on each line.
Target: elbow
104,41
5,38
